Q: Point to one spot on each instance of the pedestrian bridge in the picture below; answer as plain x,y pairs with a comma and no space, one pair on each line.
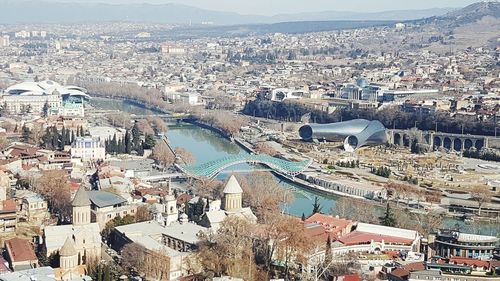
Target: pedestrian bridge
212,168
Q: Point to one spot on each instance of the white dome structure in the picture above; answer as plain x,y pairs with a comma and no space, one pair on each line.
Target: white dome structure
32,97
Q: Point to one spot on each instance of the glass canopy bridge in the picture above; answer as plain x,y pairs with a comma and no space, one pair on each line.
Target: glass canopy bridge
213,168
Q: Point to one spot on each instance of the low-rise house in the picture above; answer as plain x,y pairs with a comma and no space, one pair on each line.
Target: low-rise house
8,215
20,254
176,241
31,206
107,205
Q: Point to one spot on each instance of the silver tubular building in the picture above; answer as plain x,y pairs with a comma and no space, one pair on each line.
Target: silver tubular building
356,133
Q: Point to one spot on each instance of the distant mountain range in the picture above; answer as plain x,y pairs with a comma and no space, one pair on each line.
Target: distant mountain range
466,15
26,11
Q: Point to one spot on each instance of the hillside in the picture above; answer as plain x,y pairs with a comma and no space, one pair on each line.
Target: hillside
51,11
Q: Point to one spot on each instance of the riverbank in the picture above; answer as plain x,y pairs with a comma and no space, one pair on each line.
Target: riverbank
207,144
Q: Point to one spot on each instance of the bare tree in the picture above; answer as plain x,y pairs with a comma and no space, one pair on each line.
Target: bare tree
54,186
163,154
229,251
158,124
264,195
263,148
209,188
142,213
482,195
185,155
357,210
145,127
119,119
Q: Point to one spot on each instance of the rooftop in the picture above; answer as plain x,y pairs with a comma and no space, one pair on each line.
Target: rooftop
20,250
104,199
81,198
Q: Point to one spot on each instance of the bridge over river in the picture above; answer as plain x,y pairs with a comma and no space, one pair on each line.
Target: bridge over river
213,168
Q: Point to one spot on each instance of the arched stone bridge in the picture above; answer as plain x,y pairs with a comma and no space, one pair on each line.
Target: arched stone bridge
436,140
212,168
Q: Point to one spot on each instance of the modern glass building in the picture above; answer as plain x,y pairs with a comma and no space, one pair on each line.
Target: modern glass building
355,133
450,243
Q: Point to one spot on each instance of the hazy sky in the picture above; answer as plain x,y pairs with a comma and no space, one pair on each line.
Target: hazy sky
271,7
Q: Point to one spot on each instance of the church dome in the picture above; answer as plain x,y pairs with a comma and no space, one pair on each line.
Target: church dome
232,186
68,249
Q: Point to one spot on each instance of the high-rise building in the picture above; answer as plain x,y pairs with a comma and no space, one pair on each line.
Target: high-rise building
4,41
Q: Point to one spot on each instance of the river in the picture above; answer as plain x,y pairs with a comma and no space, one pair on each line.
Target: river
206,145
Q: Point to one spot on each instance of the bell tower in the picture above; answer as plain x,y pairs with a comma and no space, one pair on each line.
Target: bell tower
81,207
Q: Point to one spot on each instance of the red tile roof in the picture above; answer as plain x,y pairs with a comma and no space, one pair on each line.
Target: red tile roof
415,266
400,272
20,250
352,277
469,262
357,237
331,225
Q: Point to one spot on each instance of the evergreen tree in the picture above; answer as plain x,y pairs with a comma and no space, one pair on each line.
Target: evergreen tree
107,274
73,137
136,136
388,219
316,206
63,137
128,143
149,142
303,217
198,210
114,145
122,146
328,251
45,109
26,133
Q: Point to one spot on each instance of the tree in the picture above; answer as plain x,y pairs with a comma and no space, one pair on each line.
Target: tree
185,155
136,135
133,256
128,142
316,206
357,210
45,109
388,218
228,252
149,141
264,195
54,186
208,188
163,154
482,195
26,133
263,148
142,214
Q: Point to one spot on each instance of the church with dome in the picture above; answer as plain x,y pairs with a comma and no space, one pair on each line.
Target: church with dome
76,243
231,206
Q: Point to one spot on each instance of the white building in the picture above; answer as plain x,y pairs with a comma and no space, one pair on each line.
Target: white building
32,97
4,41
88,149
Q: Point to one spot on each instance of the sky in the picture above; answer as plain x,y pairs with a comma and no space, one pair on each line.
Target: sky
273,7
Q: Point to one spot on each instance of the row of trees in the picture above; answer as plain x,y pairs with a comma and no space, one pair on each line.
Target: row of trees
51,137
392,117
484,154
381,171
54,139
131,141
